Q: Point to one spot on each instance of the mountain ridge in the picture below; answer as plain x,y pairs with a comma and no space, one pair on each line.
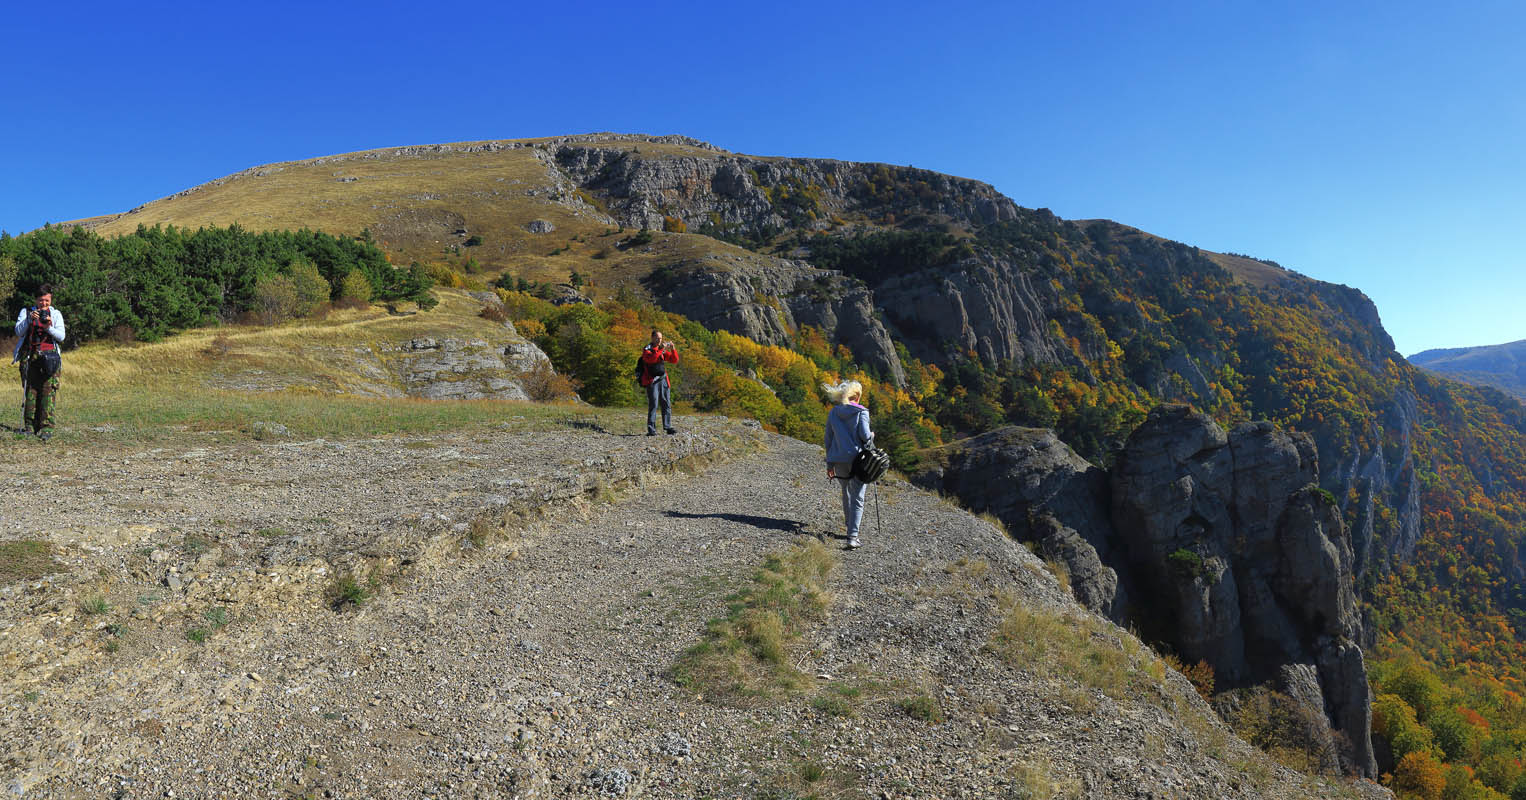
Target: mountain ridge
1501,366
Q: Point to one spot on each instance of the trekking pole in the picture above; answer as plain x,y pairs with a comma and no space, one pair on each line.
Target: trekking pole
879,523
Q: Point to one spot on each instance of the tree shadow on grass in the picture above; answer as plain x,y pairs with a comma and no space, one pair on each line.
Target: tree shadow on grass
766,523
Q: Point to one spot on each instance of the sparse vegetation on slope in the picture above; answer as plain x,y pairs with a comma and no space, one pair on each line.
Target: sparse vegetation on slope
746,654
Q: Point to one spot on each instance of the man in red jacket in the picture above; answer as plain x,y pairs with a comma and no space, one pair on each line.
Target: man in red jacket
655,358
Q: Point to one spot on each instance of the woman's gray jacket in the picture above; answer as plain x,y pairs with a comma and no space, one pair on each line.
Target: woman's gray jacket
847,431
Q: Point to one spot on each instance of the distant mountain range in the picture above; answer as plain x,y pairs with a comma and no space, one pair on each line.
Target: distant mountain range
1502,366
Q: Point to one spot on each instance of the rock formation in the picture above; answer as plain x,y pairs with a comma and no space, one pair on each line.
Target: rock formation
1220,544
1043,492
744,194
1246,559
983,306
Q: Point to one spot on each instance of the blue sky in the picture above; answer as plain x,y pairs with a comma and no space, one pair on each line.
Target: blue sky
1373,144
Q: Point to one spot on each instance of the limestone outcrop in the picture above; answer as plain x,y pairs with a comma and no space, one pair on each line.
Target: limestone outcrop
1247,559
464,369
982,304
737,194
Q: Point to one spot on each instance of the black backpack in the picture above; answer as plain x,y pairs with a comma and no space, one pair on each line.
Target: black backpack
658,370
47,364
870,463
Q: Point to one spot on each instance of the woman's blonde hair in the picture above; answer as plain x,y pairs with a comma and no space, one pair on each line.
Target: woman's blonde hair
843,392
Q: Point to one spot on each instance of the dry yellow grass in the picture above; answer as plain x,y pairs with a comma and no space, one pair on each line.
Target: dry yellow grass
1077,648
290,349
183,383
745,654
25,559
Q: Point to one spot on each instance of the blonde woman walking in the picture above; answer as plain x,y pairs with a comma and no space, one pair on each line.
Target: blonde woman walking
847,433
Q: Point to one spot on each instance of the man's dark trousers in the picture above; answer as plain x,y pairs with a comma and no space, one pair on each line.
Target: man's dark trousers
657,395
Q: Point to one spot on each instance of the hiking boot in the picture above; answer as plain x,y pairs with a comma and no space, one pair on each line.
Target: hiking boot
672,431
44,434
651,433
854,543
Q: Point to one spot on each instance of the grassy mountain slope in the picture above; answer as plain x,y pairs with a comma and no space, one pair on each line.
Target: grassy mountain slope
424,203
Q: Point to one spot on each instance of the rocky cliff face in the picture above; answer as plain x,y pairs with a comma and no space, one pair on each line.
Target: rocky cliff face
1235,554
983,304
1249,558
767,300
745,194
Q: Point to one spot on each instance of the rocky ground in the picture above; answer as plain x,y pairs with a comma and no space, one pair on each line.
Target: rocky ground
525,595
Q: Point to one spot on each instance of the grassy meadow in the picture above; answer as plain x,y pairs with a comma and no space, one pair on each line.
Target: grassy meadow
185,383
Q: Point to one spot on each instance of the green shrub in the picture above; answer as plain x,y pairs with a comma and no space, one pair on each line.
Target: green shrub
276,298
310,287
8,272
1186,563
348,590
354,287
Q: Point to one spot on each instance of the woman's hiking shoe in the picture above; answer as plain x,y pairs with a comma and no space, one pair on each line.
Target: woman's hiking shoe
854,543
672,431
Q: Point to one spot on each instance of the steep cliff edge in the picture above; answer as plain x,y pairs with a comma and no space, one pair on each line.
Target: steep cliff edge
1044,493
1230,551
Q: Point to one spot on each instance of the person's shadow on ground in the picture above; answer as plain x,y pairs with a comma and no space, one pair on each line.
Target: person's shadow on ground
766,523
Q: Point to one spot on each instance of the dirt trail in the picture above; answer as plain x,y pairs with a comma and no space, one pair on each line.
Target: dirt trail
543,668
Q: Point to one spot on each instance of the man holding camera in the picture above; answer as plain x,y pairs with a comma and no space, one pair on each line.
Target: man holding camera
39,334
655,358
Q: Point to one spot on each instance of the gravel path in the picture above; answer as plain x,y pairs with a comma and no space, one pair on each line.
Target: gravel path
540,664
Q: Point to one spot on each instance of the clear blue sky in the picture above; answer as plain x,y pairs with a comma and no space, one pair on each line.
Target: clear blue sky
1378,145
